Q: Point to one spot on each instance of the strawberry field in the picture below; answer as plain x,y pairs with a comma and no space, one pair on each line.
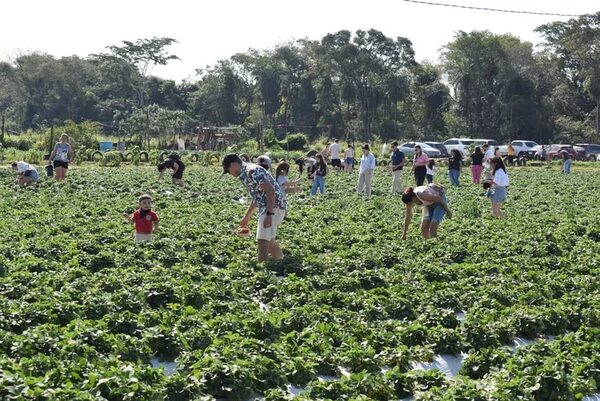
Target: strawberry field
491,310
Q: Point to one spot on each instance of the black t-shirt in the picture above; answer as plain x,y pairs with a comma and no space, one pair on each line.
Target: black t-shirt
321,169
454,163
477,159
170,163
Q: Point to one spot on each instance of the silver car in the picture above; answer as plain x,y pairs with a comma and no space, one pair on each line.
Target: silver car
408,148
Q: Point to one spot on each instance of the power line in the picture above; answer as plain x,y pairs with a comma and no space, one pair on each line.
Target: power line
490,9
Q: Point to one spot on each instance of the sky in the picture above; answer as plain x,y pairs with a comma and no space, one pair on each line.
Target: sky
208,31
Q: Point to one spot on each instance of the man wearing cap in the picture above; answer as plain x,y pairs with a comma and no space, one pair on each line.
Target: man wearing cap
267,196
365,171
397,163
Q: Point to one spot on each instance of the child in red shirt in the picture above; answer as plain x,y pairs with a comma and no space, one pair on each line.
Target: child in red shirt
145,220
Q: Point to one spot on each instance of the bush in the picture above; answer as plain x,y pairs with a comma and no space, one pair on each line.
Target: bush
23,144
296,142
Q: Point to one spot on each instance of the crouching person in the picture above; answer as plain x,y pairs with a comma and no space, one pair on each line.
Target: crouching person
26,174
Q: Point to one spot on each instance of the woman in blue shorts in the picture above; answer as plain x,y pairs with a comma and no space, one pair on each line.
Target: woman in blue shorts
432,199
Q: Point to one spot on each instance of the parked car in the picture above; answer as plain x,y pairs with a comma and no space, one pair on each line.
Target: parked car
580,152
408,149
592,151
439,146
481,142
460,144
522,148
554,152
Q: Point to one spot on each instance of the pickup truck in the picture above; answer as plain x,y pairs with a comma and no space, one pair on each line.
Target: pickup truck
522,148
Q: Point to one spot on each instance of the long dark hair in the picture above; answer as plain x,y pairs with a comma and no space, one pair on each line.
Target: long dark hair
478,150
498,164
408,195
321,162
281,167
420,151
455,154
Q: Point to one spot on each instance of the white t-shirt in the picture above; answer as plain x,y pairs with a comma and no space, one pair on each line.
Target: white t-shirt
489,154
349,154
431,171
282,179
334,149
23,167
501,178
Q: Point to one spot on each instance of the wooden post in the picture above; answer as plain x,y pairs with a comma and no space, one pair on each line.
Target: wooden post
2,131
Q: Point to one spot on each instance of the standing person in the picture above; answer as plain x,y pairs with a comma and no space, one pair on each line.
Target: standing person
334,150
311,167
319,176
433,201
476,165
500,183
431,169
365,171
419,167
61,155
454,165
397,163
281,176
511,154
26,174
349,159
566,162
488,152
174,163
325,152
145,220
267,196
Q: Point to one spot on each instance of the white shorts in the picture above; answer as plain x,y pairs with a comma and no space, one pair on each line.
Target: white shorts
269,234
140,237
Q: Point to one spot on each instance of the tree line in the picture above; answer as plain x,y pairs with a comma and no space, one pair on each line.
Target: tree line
352,85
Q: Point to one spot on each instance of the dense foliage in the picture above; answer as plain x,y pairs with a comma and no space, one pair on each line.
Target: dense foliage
347,315
349,85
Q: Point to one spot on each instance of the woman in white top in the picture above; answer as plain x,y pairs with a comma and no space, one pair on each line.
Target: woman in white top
349,159
433,200
27,174
61,155
499,185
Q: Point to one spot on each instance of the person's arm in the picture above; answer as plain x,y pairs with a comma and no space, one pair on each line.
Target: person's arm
175,168
407,220
128,217
436,199
160,174
52,154
249,212
269,191
155,224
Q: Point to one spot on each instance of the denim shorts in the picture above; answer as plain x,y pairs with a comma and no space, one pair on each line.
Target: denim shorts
349,161
32,174
435,212
499,195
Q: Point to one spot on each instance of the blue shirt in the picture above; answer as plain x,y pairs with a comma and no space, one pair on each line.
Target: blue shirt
397,158
253,176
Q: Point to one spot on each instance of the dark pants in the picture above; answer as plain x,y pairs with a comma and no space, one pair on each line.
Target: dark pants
420,173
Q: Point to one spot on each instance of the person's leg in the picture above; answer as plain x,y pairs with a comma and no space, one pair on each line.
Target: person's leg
57,173
275,250
396,181
322,185
455,175
315,185
25,181
368,178
263,250
433,227
451,177
361,182
568,166
425,223
478,170
429,178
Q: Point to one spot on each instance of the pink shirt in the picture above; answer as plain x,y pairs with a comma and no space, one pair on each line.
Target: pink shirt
421,160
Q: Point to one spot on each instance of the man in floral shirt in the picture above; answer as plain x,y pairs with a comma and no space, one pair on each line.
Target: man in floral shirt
267,196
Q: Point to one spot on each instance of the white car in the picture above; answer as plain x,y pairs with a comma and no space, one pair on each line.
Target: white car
522,147
408,149
460,144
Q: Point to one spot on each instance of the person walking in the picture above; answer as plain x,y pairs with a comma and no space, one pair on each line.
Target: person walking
499,187
349,159
145,220
431,170
61,155
419,167
267,196
433,201
319,176
396,165
476,165
365,171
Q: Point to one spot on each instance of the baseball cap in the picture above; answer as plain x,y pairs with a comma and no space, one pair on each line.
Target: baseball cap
264,160
227,160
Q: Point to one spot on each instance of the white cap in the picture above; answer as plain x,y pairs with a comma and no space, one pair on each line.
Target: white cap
264,159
